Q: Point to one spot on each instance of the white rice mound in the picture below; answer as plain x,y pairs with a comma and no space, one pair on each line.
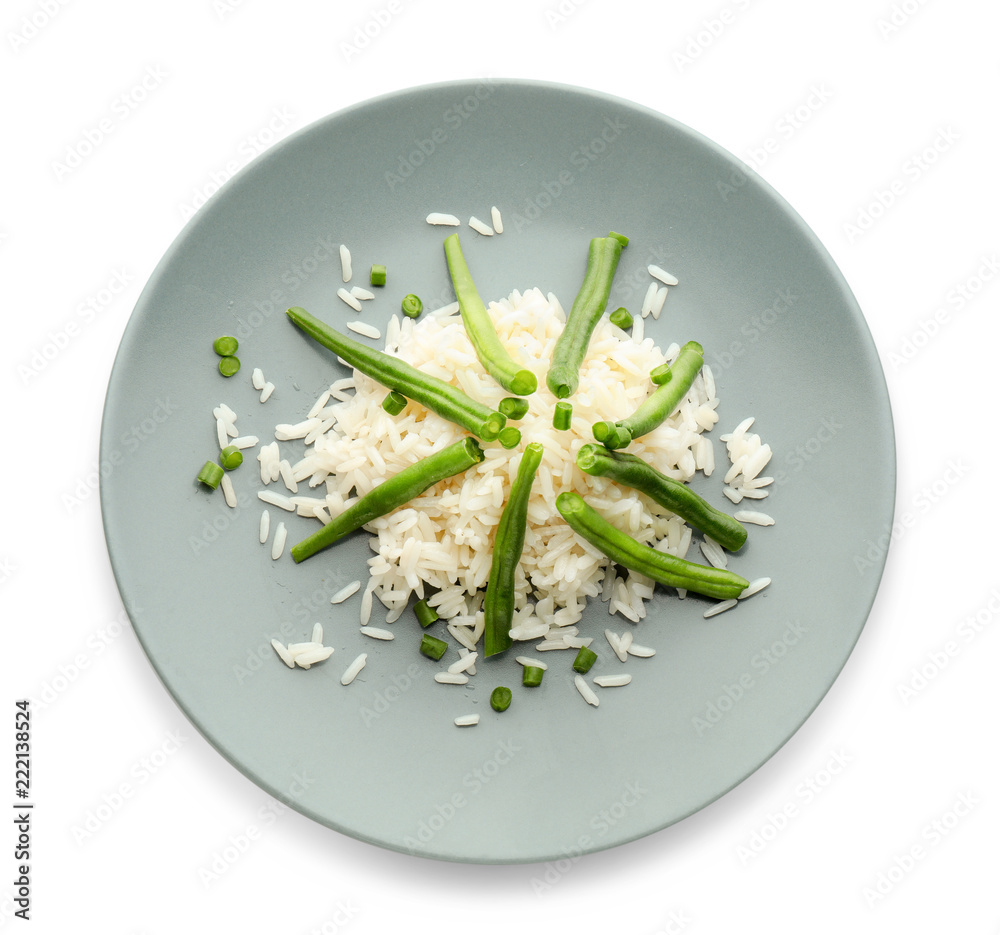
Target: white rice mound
440,545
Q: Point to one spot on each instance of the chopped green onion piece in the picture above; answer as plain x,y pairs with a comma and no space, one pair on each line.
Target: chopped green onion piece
563,415
394,403
532,677
500,699
210,474
231,457
229,365
621,238
585,658
226,345
509,437
513,407
621,317
660,375
426,615
412,306
433,647
377,275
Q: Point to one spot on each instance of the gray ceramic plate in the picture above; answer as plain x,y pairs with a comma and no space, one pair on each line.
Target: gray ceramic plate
381,759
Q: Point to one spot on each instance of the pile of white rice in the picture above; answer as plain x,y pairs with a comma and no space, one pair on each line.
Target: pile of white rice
440,545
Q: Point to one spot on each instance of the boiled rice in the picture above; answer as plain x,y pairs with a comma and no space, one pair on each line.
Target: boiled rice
480,227
345,263
447,219
497,219
351,673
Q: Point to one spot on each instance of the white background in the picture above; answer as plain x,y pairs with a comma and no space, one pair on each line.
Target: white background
882,116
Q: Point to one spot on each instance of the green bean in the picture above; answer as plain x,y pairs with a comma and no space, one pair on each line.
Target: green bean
508,543
210,474
432,647
621,317
394,492
509,437
666,569
426,615
658,406
447,401
562,417
479,327
377,274
588,306
532,676
513,407
632,471
500,698
225,345
394,403
585,658
229,365
230,457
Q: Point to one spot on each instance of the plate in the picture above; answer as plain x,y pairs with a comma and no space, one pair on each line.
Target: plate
381,759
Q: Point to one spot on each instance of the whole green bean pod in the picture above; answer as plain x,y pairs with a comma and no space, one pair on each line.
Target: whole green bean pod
479,326
658,406
447,401
631,471
392,493
508,544
666,569
588,307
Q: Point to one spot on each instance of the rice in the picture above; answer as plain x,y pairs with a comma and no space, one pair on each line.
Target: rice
451,678
345,263
257,378
228,491
612,681
278,542
265,393
753,516
351,673
345,592
589,695
364,329
480,227
265,526
351,300
467,720
658,272
360,292
377,633
447,219
496,219
720,608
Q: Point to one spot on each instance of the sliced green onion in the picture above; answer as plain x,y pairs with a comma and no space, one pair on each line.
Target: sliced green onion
532,677
660,375
509,437
377,275
412,306
426,615
226,345
394,403
621,317
563,416
210,474
585,658
500,699
231,457
229,365
433,647
513,407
